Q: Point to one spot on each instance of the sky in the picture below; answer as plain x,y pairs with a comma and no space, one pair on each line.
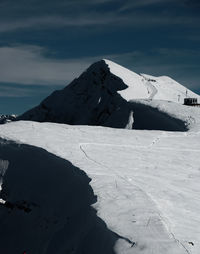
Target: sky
45,44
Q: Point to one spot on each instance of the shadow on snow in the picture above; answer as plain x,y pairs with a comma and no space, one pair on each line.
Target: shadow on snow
46,205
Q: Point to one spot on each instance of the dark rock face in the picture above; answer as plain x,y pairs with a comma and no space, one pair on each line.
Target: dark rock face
91,99
7,118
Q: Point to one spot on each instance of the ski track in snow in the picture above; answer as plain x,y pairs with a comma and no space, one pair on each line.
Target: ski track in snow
127,186
143,147
163,220
152,88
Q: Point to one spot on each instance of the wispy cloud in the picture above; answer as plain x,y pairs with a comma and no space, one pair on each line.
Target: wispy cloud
142,3
36,14
28,65
78,13
55,21
17,92
136,20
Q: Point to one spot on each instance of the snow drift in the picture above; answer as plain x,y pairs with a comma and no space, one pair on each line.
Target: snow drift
146,183
103,95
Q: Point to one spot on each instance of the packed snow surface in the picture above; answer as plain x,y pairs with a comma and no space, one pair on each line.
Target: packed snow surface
149,87
146,183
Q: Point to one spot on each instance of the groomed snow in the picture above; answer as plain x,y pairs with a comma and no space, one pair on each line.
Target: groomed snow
136,87
146,182
149,87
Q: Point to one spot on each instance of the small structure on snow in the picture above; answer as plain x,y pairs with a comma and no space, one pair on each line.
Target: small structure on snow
191,102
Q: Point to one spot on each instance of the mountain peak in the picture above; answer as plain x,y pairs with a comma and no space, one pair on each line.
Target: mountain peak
103,95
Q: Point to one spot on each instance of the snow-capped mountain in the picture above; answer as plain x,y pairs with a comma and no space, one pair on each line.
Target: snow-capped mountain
108,94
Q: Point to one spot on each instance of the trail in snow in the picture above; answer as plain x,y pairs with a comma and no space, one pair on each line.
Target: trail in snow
180,150
157,139
144,147
163,164
156,230
151,89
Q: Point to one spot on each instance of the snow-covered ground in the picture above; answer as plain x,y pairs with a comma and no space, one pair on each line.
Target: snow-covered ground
146,182
145,86
144,194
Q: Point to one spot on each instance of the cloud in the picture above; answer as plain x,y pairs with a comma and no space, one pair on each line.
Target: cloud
95,19
142,3
17,15
10,91
76,13
55,21
27,65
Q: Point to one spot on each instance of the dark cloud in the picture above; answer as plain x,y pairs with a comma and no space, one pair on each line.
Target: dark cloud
28,65
34,14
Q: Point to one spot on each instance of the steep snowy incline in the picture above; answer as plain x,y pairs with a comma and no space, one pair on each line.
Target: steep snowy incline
102,96
146,182
136,88
168,89
140,86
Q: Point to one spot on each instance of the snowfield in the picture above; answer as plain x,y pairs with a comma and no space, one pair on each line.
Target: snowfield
145,86
146,183
68,187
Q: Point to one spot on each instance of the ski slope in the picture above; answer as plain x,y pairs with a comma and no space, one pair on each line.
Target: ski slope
146,183
145,86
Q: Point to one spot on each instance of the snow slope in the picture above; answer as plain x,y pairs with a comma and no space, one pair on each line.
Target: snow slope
146,183
168,89
103,95
149,87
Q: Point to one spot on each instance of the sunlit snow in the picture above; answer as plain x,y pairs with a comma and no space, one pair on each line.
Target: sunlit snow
82,189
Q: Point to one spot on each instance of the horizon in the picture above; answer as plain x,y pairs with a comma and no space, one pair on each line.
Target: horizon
44,46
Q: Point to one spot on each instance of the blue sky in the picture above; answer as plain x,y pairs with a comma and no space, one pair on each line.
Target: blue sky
45,44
